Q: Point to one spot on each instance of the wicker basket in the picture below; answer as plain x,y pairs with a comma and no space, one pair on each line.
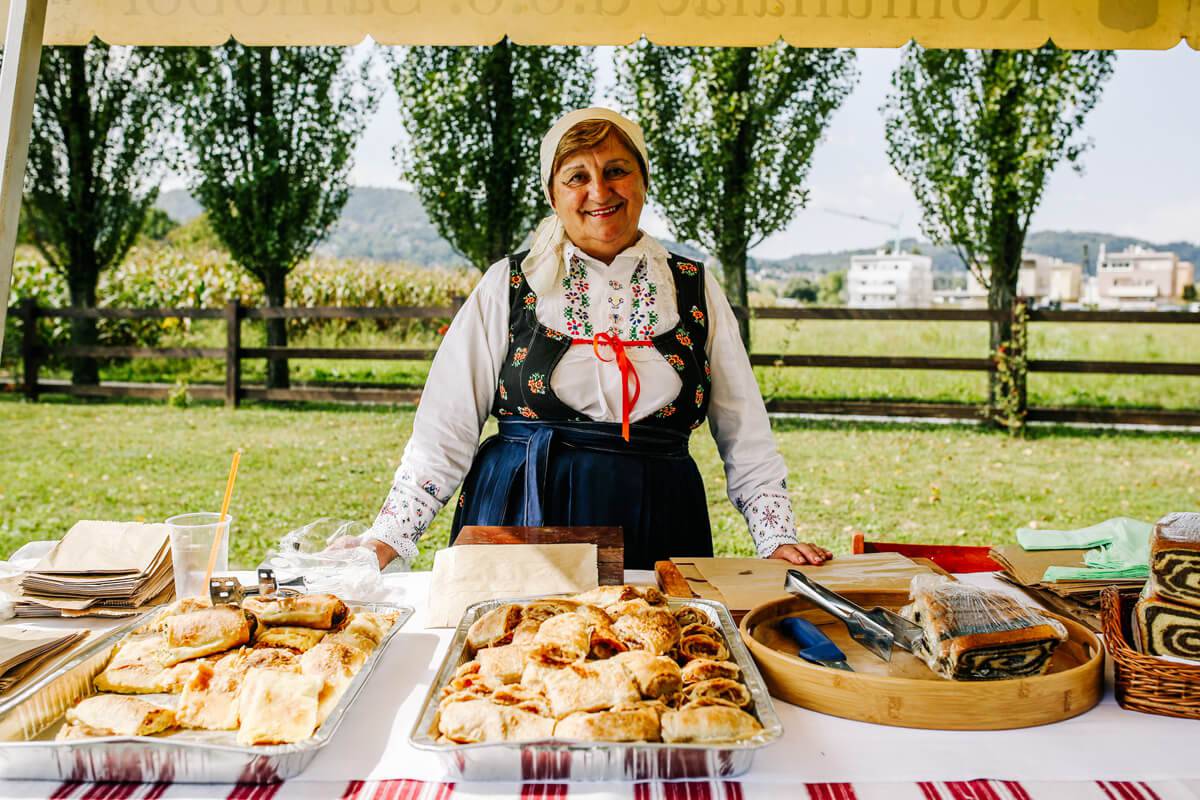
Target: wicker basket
1145,683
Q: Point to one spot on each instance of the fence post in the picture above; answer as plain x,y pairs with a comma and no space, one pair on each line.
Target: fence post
30,351
233,353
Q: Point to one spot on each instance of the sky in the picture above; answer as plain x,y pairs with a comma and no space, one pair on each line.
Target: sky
1141,178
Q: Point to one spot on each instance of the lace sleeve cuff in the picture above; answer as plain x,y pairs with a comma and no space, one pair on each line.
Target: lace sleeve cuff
769,516
403,520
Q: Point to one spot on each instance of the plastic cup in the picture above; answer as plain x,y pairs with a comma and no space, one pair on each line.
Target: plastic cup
191,543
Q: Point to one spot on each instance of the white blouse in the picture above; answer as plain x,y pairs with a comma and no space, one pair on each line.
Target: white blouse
633,297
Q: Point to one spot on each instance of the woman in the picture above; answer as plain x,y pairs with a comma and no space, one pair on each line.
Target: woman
599,352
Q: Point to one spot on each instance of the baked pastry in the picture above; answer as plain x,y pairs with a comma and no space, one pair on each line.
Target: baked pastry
494,627
120,715
139,666
976,634
637,723
297,639
335,665
593,686
504,663
542,610
210,630
322,611
603,642
522,697
209,700
705,669
563,639
708,724
654,630
655,676
701,645
480,720
1175,558
276,707
1164,628
717,691
604,596
690,615
371,625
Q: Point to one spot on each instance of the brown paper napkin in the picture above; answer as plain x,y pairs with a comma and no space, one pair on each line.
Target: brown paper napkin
24,652
106,549
472,573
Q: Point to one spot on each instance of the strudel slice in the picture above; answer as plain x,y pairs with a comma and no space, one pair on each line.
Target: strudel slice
977,634
121,715
1164,628
320,611
1175,558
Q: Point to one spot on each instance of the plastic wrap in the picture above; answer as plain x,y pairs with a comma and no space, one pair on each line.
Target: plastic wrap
976,634
1175,559
328,555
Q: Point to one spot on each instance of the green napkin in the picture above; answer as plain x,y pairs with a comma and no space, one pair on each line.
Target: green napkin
1127,556
1079,539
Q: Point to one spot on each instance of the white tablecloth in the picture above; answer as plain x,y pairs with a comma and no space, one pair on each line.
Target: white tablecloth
1105,753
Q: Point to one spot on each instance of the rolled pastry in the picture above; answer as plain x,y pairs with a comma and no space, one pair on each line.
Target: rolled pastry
276,707
636,724
563,639
976,634
504,663
522,697
656,676
705,669
702,646
654,630
494,627
1175,558
722,691
690,615
201,633
120,715
593,686
321,611
473,721
1165,628
708,725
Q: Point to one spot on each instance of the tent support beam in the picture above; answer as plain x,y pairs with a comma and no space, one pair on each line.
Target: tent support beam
18,81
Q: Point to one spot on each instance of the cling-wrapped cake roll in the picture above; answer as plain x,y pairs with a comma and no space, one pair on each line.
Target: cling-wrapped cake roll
1175,558
976,634
1163,628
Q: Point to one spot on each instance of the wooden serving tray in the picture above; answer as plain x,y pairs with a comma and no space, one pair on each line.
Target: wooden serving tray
905,692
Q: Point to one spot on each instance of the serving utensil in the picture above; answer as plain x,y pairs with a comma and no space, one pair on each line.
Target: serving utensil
878,630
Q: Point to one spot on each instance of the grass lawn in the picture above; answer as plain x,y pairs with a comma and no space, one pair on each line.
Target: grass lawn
65,461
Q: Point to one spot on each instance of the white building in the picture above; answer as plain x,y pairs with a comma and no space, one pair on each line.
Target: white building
888,280
1141,278
1046,278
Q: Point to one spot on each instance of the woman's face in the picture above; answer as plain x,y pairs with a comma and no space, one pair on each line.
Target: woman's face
598,194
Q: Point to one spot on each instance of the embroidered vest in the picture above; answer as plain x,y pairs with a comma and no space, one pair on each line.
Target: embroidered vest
535,350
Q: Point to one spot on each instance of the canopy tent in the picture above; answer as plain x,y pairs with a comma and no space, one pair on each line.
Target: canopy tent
1076,24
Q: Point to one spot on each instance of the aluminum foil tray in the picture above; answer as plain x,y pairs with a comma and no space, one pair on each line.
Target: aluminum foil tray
30,720
598,761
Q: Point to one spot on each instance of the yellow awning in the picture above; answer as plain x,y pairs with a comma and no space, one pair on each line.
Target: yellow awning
1078,24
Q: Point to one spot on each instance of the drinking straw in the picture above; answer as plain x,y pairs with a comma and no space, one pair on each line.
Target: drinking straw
216,545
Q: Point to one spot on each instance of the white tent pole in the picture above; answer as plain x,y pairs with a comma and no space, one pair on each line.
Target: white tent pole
18,80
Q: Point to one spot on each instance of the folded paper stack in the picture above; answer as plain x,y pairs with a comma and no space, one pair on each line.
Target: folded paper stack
1166,619
108,569
23,652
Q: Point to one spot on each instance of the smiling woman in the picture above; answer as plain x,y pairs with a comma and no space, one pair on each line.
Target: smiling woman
599,352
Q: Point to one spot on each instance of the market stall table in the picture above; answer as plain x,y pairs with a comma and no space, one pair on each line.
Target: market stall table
1107,753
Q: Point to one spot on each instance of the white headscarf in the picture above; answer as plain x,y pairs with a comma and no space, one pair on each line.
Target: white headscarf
543,266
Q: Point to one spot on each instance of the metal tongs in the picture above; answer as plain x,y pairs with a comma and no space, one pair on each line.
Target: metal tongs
878,630
229,591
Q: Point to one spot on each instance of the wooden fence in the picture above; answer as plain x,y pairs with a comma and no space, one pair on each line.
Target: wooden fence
234,390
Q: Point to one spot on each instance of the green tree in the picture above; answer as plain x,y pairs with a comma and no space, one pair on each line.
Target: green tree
98,149
272,131
731,132
802,289
475,117
158,225
977,134
833,288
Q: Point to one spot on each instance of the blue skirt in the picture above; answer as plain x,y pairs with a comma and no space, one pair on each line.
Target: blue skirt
583,473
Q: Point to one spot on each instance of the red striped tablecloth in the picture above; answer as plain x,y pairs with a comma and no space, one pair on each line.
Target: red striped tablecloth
696,790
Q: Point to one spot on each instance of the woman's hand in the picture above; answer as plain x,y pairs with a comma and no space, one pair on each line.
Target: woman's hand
383,552
803,553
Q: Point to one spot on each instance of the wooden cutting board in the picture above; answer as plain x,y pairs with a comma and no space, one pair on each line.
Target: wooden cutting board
609,541
743,583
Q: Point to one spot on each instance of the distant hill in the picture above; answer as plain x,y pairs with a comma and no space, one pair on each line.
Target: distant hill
391,225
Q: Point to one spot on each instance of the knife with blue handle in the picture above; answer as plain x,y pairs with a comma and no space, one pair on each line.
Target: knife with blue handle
815,646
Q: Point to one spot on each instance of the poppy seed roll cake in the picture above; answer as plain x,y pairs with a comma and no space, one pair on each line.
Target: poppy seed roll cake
1175,558
1163,628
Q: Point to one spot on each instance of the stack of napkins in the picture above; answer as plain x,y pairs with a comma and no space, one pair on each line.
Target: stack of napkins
100,569
23,652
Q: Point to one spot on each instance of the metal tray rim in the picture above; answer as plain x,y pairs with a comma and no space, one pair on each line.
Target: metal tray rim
764,707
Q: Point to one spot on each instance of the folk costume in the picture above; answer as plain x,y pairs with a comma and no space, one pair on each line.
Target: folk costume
597,374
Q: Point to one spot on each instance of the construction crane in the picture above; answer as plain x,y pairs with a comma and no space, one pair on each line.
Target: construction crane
895,226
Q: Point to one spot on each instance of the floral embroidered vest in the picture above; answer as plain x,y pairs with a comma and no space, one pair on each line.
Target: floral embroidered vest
534,351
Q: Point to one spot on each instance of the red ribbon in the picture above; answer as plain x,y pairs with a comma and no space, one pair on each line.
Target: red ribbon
628,373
